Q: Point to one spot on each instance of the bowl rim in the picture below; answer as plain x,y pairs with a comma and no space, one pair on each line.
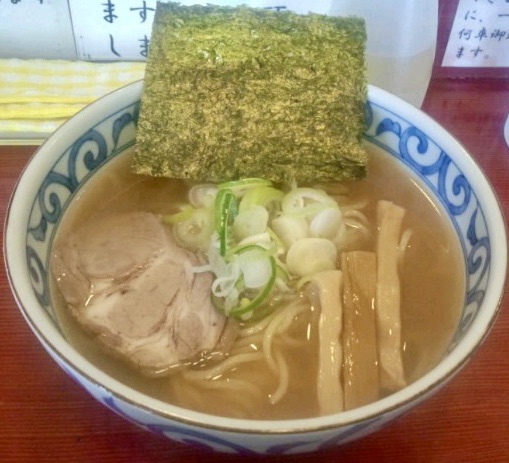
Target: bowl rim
52,340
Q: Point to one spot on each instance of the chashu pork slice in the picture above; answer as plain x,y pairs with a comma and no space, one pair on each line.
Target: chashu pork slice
127,281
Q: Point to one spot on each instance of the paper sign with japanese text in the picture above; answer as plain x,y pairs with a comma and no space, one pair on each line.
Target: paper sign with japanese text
480,35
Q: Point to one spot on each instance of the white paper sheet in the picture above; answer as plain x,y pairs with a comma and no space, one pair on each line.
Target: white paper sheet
480,35
36,29
120,30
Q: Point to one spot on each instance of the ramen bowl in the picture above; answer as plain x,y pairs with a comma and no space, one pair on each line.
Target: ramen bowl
107,128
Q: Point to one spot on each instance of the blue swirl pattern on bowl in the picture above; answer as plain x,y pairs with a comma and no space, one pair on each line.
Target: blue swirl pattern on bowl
385,129
449,184
195,436
74,166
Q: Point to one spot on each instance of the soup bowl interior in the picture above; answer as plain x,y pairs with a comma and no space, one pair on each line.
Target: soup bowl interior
107,128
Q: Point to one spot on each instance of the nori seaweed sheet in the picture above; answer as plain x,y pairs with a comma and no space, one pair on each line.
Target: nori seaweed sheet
235,92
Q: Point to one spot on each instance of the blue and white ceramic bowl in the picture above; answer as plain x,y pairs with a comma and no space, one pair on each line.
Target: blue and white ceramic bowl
107,128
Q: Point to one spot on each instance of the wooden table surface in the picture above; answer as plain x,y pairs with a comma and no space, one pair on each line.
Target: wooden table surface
46,417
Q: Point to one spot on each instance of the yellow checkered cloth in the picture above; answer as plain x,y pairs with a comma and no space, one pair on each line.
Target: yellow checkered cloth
37,96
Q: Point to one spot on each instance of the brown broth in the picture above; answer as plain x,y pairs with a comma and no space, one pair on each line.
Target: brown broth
432,282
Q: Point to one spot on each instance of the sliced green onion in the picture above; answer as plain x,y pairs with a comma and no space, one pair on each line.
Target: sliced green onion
326,223
290,229
311,255
241,248
225,210
245,225
260,196
249,299
185,213
195,231
306,202
263,239
255,264
282,272
202,195
247,304
251,222
238,186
